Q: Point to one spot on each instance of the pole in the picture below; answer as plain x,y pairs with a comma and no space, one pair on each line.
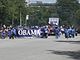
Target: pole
20,19
25,22
12,19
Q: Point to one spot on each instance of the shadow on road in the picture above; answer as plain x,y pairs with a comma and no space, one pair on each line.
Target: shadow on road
71,54
73,42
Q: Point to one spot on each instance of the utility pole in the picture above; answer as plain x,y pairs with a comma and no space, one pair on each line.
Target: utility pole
27,16
20,19
12,19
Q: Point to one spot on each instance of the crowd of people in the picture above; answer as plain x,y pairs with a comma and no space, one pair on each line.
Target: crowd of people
40,32
69,32
19,32
8,32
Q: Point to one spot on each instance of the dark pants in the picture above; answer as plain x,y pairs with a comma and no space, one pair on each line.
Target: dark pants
44,35
11,36
66,35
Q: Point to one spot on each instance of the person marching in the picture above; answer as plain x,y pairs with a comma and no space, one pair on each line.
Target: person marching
73,32
3,34
57,32
66,32
10,33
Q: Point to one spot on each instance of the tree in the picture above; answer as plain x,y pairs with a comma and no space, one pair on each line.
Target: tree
10,11
66,10
40,15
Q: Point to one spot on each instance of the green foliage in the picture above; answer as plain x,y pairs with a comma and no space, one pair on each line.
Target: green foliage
66,10
10,11
40,15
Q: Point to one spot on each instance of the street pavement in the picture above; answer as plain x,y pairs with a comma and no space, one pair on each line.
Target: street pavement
40,49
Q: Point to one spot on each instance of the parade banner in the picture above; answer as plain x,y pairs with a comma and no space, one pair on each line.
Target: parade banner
27,32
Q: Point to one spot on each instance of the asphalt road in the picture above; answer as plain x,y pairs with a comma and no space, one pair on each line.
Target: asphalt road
40,49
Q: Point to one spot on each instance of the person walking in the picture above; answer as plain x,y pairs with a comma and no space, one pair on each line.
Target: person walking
3,34
10,33
66,32
57,32
73,32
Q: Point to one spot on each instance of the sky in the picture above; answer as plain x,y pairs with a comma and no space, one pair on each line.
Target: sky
79,1
44,1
